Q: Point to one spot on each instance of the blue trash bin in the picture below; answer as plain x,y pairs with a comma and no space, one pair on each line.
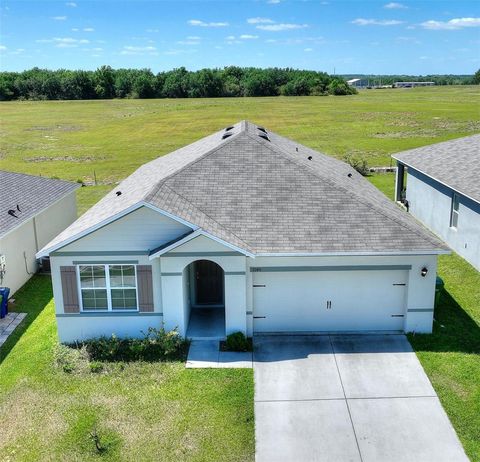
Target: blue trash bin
4,292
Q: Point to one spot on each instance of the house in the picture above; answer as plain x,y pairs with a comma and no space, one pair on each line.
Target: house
243,230
33,210
442,190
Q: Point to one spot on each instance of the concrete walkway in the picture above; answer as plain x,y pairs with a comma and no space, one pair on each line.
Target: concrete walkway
347,398
8,325
206,354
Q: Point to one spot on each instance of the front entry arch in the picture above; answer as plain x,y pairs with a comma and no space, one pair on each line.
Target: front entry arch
208,288
205,286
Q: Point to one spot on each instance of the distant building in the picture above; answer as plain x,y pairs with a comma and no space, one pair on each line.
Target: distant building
32,211
358,83
413,84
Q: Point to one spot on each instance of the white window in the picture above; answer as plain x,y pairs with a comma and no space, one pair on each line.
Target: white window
454,212
108,287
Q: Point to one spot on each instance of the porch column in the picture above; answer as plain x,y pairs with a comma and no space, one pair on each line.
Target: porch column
399,181
174,309
235,302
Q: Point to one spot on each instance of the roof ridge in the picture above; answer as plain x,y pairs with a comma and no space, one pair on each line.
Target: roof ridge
222,143
247,246
377,209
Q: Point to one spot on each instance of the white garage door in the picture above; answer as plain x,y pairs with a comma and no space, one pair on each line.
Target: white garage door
311,300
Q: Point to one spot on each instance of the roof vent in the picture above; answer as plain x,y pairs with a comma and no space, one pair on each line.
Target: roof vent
309,157
264,136
229,128
349,175
296,148
226,135
118,193
262,129
11,212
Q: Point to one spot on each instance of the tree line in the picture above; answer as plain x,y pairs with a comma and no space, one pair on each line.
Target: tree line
105,82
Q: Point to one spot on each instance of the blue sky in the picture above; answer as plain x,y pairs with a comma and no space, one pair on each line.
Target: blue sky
385,37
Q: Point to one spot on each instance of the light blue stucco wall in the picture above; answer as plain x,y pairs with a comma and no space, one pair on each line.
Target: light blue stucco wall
431,202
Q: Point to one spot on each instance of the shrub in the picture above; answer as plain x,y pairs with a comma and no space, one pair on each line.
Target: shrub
156,345
358,163
96,367
237,342
70,359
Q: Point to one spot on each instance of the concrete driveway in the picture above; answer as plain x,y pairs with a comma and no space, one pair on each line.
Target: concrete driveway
347,398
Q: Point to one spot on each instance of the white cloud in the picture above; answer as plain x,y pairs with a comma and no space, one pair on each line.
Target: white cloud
281,27
308,49
188,42
75,29
395,6
248,37
194,37
97,49
376,22
152,30
196,22
71,4
64,42
88,29
59,18
260,21
273,2
18,51
456,23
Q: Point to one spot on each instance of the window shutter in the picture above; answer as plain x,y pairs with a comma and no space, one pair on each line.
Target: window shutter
69,289
145,288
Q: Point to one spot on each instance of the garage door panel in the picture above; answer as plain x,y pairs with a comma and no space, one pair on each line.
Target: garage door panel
329,300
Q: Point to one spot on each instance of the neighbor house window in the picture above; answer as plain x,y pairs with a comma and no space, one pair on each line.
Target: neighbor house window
108,287
454,212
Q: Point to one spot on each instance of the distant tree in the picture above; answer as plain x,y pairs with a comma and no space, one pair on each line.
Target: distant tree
144,84
260,84
204,84
175,85
104,82
340,88
476,78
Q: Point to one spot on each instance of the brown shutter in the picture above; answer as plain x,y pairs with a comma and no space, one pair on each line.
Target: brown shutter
145,288
69,289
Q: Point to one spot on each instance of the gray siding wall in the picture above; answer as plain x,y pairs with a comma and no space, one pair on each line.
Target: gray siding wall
431,202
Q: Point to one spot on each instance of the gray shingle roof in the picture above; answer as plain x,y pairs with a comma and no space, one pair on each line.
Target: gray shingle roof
266,196
32,194
455,163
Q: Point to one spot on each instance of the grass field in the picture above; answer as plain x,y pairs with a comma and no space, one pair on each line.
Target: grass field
74,139
162,411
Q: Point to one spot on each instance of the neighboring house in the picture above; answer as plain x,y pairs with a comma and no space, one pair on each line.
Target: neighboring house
247,231
33,210
442,190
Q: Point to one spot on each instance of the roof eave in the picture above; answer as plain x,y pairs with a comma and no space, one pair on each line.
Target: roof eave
453,188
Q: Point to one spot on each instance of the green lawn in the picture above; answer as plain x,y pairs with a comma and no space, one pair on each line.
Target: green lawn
109,139
451,355
147,411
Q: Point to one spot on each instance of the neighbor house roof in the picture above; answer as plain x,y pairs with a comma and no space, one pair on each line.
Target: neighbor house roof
26,196
265,194
454,163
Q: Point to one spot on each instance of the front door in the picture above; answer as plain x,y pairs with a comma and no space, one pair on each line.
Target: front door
208,283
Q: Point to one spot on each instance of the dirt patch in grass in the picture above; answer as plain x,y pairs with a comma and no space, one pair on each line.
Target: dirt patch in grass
64,159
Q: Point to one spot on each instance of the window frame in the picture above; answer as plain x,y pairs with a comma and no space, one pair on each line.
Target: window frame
106,268
454,213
